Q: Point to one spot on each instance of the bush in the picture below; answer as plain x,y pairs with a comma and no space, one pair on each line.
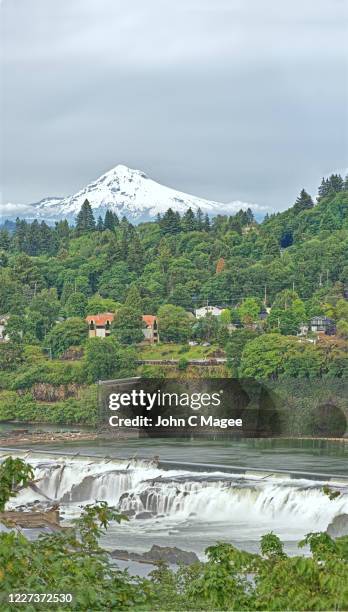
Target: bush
7,405
183,363
82,410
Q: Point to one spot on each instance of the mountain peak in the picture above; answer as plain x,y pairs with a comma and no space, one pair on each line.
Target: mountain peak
130,193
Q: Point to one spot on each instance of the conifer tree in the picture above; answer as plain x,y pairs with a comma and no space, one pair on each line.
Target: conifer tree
5,240
188,222
170,222
21,234
133,298
136,255
303,202
199,220
324,188
206,225
85,221
336,182
100,224
62,229
111,220
124,245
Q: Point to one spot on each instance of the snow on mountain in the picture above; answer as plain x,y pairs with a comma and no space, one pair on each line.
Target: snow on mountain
130,193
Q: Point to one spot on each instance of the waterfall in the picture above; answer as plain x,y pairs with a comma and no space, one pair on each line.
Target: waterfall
136,486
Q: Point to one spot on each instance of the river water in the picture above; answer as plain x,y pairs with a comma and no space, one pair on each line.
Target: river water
193,508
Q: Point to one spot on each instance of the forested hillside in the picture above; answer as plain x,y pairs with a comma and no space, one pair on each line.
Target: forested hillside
269,278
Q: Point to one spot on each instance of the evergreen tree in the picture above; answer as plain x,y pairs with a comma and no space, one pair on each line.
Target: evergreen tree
170,222
199,220
114,249
48,239
5,240
324,188
85,221
111,220
188,222
136,255
206,224
331,185
124,245
303,202
336,183
62,229
250,216
133,298
21,234
100,224
127,325
345,183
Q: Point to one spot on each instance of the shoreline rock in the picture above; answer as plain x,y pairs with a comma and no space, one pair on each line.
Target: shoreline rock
338,526
168,554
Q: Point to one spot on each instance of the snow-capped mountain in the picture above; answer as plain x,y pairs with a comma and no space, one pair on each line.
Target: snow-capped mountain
126,192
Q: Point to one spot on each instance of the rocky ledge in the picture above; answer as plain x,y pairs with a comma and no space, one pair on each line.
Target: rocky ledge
167,554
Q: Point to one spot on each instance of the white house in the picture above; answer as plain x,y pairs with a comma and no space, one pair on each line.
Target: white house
213,310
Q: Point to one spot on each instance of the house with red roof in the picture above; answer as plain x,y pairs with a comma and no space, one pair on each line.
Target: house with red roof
150,330
99,326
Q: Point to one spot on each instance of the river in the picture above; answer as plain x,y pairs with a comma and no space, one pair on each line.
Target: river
193,508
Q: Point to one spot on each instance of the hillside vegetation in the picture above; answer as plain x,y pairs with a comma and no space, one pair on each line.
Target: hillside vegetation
269,279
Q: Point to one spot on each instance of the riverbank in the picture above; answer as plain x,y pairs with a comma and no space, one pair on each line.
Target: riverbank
25,436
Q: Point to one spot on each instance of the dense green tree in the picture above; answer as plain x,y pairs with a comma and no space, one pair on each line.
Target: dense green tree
46,305
105,359
174,323
26,271
100,224
249,311
289,320
235,344
85,221
5,240
133,299
206,328
11,295
76,305
188,221
72,332
170,222
303,202
342,329
127,325
135,255
111,220
11,355
15,328
97,304
265,357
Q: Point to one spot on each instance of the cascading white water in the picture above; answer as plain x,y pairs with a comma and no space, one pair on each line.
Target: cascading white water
138,486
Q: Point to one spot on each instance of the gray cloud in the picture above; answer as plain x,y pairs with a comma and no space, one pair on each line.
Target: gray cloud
226,99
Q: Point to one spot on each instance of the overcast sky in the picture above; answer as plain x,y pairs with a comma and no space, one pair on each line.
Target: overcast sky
225,99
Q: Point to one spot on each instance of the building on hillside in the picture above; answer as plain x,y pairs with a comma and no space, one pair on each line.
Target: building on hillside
213,310
3,322
323,325
99,326
150,330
